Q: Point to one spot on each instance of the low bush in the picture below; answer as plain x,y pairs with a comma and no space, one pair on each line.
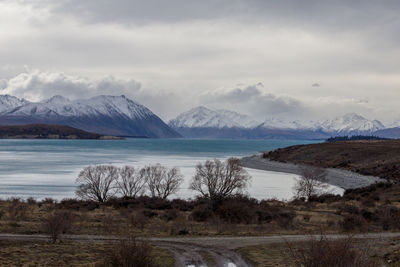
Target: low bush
352,222
389,217
57,223
129,253
329,253
170,215
202,213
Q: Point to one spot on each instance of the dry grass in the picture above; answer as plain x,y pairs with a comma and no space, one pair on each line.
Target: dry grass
266,255
108,220
16,253
384,252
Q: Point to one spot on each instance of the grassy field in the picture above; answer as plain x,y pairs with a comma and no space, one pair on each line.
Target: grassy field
39,253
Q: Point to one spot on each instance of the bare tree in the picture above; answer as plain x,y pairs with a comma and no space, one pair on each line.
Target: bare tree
131,182
311,182
57,223
162,181
97,183
217,180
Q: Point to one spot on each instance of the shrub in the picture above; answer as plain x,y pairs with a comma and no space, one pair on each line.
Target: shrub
57,223
129,253
138,220
348,208
389,217
236,212
321,251
75,204
149,213
324,198
170,215
352,222
202,213
17,210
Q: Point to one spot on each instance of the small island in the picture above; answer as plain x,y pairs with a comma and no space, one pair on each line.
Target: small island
47,131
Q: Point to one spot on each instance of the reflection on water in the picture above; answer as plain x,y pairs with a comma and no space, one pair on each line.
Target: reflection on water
48,168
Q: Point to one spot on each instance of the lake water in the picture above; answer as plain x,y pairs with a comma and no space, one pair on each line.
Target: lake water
48,168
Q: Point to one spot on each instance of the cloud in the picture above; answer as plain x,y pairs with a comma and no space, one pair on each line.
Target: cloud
257,101
36,85
252,100
184,49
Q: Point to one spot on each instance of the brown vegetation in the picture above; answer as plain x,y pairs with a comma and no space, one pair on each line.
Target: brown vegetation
47,131
377,158
321,251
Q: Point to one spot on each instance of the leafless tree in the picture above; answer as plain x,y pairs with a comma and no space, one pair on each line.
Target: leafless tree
97,183
57,223
131,182
312,181
217,180
162,181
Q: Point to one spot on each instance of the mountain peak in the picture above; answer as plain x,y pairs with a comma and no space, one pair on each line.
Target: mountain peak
57,99
202,117
8,102
105,114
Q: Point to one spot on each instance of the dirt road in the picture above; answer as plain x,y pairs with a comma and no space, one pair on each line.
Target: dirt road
204,251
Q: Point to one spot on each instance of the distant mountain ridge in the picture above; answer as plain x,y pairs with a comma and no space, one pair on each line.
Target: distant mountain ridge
206,118
45,131
108,115
202,122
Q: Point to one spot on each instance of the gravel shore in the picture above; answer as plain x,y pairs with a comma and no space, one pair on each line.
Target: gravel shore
341,178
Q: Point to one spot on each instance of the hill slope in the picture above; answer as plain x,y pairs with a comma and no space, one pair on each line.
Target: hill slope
44,131
376,158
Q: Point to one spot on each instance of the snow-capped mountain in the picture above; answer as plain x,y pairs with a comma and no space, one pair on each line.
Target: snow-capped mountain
8,102
242,120
202,122
114,115
275,123
202,117
350,123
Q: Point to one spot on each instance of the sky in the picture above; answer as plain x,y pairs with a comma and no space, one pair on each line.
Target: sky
307,59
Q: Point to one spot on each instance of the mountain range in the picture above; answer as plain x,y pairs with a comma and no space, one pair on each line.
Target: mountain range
108,115
202,122
120,116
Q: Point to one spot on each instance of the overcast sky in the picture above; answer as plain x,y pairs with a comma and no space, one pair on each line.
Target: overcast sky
294,59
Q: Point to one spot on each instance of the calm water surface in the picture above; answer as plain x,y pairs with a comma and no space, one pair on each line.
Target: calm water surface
48,168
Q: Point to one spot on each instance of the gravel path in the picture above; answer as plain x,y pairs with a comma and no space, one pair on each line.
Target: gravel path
191,251
341,178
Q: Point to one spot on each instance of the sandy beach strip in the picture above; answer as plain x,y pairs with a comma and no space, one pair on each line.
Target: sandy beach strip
338,177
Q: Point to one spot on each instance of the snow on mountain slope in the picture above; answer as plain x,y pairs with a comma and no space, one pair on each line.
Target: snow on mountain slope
99,105
8,102
202,117
243,120
116,115
350,123
275,123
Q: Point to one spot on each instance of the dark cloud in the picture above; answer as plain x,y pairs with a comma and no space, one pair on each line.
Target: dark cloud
339,14
252,100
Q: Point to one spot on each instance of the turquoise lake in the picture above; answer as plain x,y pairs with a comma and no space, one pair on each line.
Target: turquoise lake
48,168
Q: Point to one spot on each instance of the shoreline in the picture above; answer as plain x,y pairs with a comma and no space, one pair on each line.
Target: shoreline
337,177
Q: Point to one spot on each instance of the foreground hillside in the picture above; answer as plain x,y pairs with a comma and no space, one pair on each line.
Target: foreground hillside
44,131
377,158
